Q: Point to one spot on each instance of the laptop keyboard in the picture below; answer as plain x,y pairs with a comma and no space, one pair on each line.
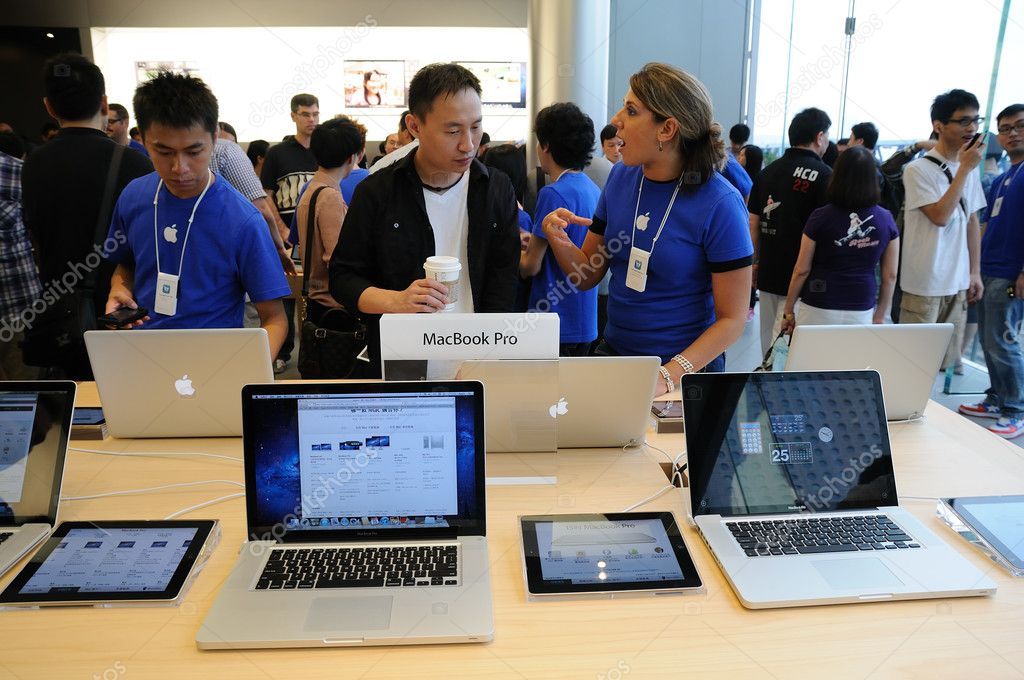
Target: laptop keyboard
377,567
4,535
807,536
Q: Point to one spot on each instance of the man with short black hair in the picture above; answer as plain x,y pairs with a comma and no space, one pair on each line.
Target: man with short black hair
863,134
406,143
117,128
611,145
64,184
783,196
287,167
739,135
1001,311
438,200
193,247
940,271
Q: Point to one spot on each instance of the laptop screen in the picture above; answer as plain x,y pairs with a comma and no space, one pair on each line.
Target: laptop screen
786,442
35,421
364,459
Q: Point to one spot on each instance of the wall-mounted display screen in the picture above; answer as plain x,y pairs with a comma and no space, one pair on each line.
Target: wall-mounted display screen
374,84
145,70
503,82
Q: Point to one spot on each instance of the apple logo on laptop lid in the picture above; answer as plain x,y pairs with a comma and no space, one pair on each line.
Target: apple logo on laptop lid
183,386
559,409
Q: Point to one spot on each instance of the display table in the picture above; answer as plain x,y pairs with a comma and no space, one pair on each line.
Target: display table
704,636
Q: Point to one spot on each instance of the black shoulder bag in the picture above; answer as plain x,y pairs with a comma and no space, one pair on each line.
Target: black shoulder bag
327,348
56,337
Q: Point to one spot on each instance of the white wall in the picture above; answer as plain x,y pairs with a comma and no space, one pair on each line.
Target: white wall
703,37
254,71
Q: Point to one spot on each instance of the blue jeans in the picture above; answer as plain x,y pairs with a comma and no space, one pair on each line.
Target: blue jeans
999,322
717,364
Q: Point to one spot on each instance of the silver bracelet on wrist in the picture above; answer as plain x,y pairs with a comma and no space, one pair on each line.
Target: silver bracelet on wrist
684,363
668,378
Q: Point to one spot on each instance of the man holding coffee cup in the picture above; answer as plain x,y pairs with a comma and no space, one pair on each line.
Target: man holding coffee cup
437,230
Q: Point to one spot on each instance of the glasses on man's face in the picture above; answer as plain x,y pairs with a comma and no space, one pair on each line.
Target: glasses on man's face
310,115
1017,127
966,121
112,121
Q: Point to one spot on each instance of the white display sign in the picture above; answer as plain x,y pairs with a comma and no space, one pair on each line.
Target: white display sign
452,336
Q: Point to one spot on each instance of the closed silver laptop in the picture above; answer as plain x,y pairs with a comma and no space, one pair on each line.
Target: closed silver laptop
907,356
366,517
35,425
177,383
574,402
793,490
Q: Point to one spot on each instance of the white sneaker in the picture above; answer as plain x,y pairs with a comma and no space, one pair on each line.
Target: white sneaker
279,366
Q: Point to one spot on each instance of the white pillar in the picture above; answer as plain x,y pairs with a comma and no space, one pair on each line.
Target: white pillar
568,59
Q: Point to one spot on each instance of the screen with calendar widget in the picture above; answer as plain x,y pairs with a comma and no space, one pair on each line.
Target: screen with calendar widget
765,443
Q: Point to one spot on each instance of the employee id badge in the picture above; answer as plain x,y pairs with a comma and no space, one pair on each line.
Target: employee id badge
166,294
996,207
636,276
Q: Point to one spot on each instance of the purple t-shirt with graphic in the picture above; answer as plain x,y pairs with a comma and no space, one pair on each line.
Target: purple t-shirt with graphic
848,246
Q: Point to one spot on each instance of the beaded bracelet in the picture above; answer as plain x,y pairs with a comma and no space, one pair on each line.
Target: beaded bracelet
668,378
684,363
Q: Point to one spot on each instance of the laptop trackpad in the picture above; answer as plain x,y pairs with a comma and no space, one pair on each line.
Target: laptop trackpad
349,613
861,575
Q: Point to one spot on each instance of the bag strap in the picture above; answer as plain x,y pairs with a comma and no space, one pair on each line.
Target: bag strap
307,251
766,363
106,208
945,170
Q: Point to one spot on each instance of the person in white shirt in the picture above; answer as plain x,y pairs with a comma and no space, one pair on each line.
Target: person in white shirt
941,255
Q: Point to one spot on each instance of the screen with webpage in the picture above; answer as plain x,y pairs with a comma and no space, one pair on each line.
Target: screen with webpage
32,447
779,443
128,560
619,551
403,460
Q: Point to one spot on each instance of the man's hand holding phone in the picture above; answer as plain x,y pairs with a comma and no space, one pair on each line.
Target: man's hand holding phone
122,312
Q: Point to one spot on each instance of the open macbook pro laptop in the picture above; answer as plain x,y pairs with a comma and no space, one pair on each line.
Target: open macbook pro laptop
792,488
592,402
35,425
177,383
366,517
907,356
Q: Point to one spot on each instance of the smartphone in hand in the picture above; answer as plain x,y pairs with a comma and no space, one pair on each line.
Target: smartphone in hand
123,316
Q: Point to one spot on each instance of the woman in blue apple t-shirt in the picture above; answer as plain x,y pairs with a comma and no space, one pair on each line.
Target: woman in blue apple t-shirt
671,229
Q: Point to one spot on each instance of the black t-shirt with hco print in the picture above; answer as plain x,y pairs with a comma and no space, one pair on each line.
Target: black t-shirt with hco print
783,196
286,169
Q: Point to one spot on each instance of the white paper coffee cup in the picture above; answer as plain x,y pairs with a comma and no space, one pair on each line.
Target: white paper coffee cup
447,270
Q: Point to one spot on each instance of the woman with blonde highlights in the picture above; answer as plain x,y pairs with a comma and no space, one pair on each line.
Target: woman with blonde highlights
670,227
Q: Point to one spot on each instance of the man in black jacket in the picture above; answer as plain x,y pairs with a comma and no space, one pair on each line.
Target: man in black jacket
438,200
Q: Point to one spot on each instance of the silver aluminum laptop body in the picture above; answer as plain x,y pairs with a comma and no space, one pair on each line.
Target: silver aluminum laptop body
907,356
607,400
35,425
281,423
779,448
177,383
522,398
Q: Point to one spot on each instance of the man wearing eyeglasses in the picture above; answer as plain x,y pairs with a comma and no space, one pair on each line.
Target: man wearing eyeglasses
287,167
1001,311
117,128
940,271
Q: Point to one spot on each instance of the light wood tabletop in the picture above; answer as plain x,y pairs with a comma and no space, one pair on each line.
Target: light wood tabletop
704,635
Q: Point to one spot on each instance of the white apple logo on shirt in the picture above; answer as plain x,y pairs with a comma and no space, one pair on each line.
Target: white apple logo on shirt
171,233
642,220
184,386
559,409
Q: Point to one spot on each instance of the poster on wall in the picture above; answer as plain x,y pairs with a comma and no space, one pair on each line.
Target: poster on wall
503,82
145,70
374,84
